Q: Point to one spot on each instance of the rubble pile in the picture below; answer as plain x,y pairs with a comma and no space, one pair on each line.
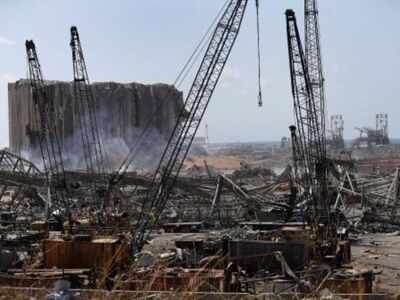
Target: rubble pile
220,232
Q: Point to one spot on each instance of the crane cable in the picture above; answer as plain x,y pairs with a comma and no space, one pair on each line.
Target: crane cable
199,48
260,101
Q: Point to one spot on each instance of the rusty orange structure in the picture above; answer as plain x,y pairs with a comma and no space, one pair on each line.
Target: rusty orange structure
97,253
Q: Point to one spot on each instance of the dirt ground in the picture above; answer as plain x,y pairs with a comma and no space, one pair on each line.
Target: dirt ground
220,162
380,252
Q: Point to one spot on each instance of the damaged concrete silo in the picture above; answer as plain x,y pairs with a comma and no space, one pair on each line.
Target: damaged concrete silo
123,111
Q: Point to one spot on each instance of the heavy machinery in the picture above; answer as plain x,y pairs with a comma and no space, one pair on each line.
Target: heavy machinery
324,212
314,61
87,116
48,134
219,48
311,140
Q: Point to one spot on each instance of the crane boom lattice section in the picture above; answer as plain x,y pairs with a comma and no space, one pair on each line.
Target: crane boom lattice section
314,62
48,136
87,109
212,65
307,117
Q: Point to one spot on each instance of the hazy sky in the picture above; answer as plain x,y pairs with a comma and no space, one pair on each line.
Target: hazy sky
149,41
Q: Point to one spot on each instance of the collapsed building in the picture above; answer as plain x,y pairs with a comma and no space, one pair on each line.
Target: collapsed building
124,109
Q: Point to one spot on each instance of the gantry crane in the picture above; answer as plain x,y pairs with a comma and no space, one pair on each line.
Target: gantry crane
310,134
48,134
87,114
207,77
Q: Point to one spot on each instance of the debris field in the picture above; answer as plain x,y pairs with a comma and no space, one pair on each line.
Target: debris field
108,191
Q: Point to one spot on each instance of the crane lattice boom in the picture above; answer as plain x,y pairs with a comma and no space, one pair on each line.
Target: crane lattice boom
307,118
87,117
87,108
314,62
212,65
48,135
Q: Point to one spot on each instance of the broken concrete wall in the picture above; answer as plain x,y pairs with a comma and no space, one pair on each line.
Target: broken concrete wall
123,111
